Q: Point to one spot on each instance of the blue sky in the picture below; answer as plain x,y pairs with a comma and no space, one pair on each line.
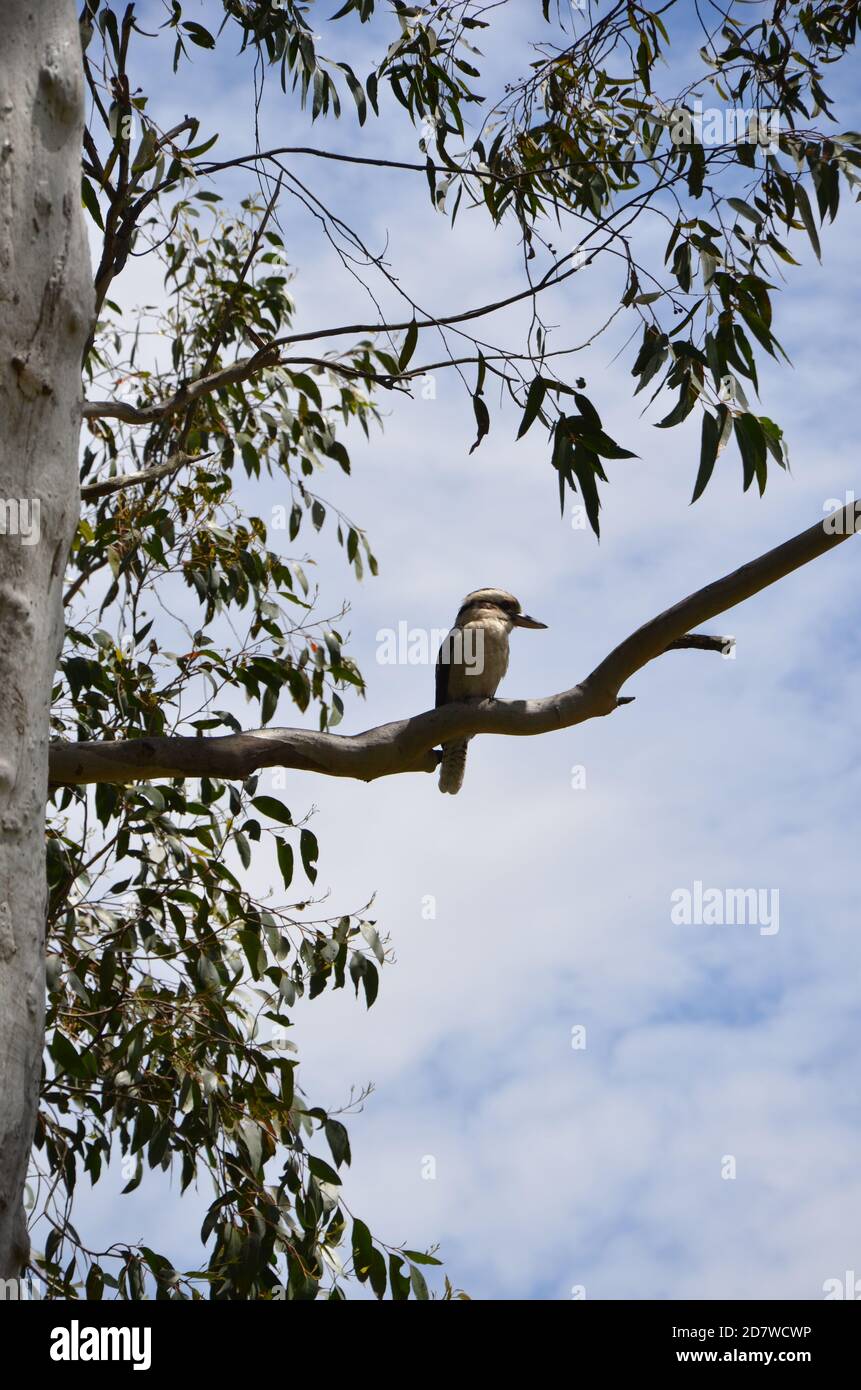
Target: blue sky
596,1168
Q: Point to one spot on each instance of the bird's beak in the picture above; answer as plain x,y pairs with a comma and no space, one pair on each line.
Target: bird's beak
524,620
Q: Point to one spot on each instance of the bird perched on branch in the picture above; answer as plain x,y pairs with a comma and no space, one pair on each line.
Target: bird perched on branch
472,661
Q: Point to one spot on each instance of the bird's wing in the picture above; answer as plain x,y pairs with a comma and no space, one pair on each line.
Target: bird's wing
443,667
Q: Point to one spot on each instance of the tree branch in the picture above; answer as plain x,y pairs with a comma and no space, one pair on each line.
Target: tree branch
245,367
91,491
408,745
481,176
189,392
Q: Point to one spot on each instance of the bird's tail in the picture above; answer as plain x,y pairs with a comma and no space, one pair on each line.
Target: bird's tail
451,768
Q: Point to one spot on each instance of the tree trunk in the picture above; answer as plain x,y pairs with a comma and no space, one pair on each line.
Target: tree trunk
45,311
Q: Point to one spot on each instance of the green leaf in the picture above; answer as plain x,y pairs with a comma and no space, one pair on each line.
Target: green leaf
285,860
643,56
363,1248
378,1273
420,1288
198,34
584,466
751,443
409,346
358,92
711,432
196,150
684,405
481,373
562,457
309,850
364,971
534,397
339,1142
804,208
65,1055
135,1179
588,411
774,440
398,1281
745,209
371,89
268,705
91,203
606,447
321,1170
273,808
371,982
482,419
146,152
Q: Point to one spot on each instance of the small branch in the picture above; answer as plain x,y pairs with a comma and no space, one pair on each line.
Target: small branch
90,491
246,367
443,321
480,176
408,745
268,357
185,396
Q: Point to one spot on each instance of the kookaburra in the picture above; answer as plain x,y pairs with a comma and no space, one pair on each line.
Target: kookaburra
472,661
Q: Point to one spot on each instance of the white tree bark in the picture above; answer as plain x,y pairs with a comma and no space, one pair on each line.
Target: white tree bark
45,311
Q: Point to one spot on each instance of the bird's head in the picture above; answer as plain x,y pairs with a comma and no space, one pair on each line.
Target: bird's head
495,603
